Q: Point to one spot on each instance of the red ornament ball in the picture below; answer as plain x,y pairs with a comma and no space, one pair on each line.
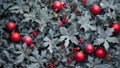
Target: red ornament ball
100,53
79,56
116,27
84,2
27,39
15,36
89,49
11,26
57,6
95,9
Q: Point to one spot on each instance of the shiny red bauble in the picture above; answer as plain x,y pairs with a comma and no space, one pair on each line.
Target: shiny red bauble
11,26
89,48
100,53
116,27
95,9
57,6
79,56
84,2
27,39
15,36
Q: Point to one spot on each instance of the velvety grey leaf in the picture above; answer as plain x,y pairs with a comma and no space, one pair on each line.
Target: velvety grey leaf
35,53
50,48
11,46
72,18
73,30
26,8
64,31
109,31
73,39
112,39
42,26
2,61
19,59
19,47
97,61
62,38
98,41
90,59
46,39
51,33
16,7
60,66
103,66
43,54
32,59
33,65
66,43
104,4
106,45
102,33
24,46
46,44
7,55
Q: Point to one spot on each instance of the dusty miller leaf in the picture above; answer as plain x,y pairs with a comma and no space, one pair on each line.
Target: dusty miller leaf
106,45
19,59
66,43
98,41
112,39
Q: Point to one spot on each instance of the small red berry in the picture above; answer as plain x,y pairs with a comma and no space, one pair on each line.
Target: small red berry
65,5
64,20
60,24
116,27
68,60
100,53
80,41
31,46
62,47
79,56
76,48
35,32
15,36
95,9
11,26
84,2
89,48
51,65
57,6
27,39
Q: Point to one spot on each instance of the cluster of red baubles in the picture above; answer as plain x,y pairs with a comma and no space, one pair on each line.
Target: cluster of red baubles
79,55
95,9
89,49
15,36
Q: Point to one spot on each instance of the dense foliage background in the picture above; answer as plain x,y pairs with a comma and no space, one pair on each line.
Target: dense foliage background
54,44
